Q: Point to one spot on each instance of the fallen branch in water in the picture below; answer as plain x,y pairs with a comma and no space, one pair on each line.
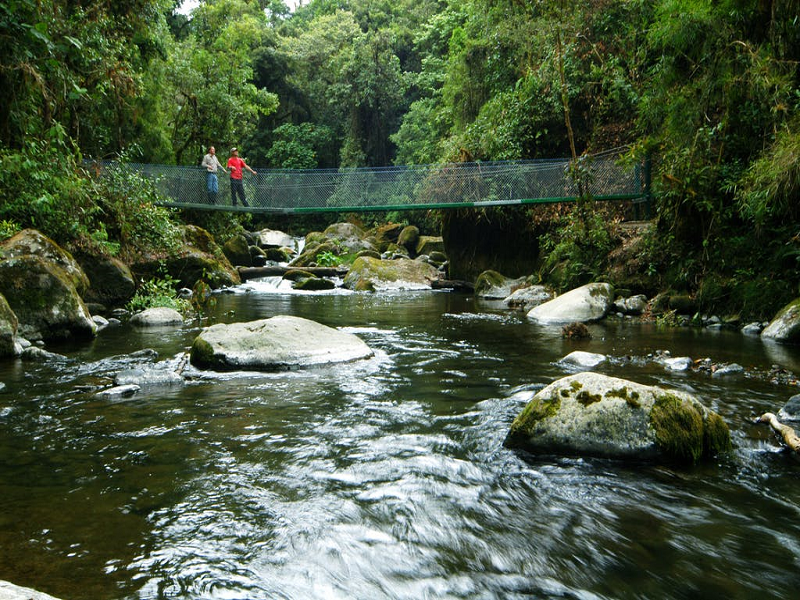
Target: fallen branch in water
788,434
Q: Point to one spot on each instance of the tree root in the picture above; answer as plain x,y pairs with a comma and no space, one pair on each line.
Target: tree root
788,434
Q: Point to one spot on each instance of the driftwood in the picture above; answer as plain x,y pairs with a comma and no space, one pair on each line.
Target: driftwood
452,284
278,271
787,433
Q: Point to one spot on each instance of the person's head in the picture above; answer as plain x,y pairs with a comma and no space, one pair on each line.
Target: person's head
212,150
234,151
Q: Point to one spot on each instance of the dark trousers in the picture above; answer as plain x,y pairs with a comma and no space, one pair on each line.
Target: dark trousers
237,187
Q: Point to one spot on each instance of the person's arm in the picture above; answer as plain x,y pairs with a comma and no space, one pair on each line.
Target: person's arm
219,164
246,166
206,163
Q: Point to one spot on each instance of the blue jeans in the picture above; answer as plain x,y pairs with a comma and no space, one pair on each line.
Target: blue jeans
211,182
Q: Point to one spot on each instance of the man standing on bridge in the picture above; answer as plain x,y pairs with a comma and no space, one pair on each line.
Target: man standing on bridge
211,163
236,164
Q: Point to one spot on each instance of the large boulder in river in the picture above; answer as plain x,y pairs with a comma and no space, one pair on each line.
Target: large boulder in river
585,304
371,274
273,238
590,414
338,239
238,251
8,329
9,591
44,299
785,327
277,343
493,285
200,259
157,316
30,241
111,281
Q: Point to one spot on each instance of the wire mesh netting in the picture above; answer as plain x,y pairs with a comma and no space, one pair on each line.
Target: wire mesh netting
403,188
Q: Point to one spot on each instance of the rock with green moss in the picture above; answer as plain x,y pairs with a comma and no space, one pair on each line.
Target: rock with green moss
408,239
374,274
282,342
44,300
785,327
32,242
111,282
590,414
585,304
237,250
429,244
493,285
8,329
313,284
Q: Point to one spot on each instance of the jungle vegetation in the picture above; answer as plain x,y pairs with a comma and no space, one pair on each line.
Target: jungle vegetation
710,90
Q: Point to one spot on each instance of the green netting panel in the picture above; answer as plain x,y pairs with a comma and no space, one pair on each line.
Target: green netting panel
403,188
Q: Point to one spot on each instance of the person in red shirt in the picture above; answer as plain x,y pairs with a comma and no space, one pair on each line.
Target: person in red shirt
236,166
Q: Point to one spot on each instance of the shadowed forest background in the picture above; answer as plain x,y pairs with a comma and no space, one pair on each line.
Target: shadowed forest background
708,90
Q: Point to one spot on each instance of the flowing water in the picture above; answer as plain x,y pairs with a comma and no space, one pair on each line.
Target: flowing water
383,478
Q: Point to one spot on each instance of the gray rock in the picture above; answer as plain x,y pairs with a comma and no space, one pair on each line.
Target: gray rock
157,317
785,327
120,391
101,322
272,238
36,354
9,591
729,369
8,329
528,297
583,360
30,242
679,363
790,410
589,414
111,281
278,343
44,300
634,305
494,286
753,329
370,274
587,303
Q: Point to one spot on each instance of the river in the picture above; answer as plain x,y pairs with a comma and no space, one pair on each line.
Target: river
384,478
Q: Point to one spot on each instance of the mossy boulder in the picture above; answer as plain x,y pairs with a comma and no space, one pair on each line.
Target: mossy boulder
44,300
237,250
313,284
493,285
429,244
785,327
278,343
590,414
201,259
409,238
385,235
374,274
111,282
31,241
8,329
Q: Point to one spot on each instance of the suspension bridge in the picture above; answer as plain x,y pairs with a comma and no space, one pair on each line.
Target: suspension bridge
421,187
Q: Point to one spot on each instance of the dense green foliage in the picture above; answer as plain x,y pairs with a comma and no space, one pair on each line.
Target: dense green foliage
710,90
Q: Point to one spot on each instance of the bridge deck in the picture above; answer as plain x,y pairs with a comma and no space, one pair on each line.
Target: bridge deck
458,185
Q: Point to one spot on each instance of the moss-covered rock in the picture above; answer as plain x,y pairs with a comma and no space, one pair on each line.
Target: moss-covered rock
785,327
8,329
111,282
237,250
313,284
408,239
374,274
590,414
429,244
491,284
30,241
44,300
387,234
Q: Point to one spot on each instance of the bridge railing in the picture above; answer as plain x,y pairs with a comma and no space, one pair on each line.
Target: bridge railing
453,185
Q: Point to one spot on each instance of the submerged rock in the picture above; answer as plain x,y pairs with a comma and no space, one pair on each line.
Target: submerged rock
148,377
278,343
589,414
587,303
791,410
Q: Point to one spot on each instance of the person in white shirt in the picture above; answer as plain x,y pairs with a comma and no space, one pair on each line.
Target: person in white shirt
211,163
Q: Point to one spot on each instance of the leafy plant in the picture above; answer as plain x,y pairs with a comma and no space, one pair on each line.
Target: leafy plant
8,229
327,259
159,292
